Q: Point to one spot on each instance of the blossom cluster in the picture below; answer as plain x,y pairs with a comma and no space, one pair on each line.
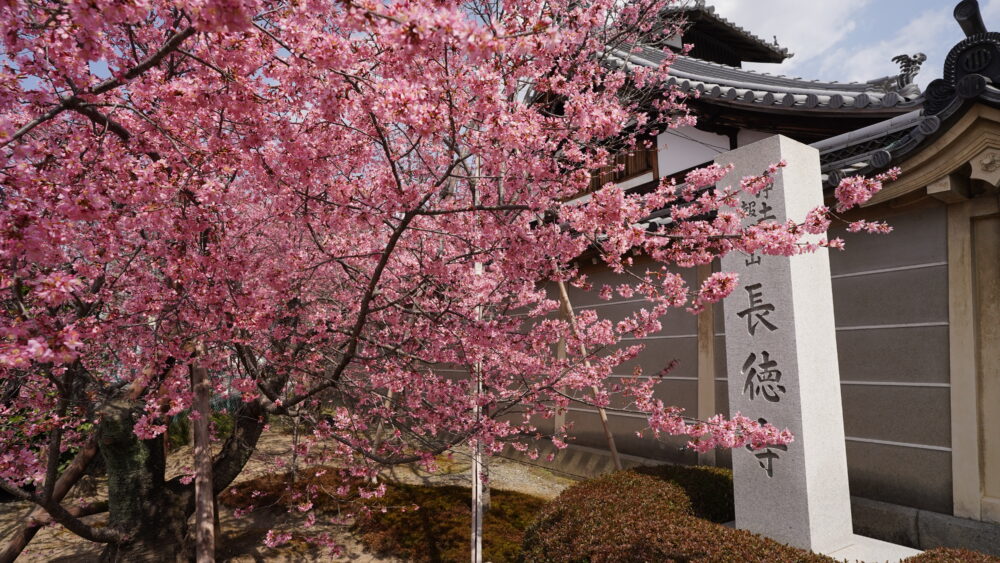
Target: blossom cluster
350,213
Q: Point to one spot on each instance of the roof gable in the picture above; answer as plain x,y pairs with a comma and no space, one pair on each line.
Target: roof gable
715,38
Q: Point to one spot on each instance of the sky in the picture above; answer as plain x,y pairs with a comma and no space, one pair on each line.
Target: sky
853,40
844,40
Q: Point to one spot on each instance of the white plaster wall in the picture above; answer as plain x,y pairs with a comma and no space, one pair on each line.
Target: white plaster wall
680,149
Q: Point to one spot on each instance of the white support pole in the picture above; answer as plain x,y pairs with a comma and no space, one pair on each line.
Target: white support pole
477,457
609,437
477,497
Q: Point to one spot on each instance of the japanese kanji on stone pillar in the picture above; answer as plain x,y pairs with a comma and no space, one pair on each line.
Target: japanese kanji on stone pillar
782,366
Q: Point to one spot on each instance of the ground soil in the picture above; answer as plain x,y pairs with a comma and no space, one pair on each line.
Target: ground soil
242,538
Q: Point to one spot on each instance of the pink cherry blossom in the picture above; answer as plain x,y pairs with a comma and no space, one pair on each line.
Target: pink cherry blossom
341,210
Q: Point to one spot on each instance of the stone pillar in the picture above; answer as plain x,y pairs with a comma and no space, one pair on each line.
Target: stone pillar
781,353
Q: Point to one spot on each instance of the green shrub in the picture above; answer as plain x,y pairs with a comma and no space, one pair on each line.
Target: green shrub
598,518
631,517
951,555
178,431
179,428
223,423
709,488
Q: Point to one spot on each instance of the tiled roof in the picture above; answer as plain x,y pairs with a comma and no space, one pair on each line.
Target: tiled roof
968,78
698,9
876,148
873,148
721,84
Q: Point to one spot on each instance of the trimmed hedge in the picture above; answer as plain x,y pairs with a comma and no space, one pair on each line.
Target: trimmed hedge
629,517
709,488
603,518
951,555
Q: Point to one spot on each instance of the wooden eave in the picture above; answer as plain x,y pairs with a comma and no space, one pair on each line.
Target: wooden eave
969,136
801,125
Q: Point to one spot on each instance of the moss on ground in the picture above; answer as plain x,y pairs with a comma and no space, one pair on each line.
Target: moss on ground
440,529
411,522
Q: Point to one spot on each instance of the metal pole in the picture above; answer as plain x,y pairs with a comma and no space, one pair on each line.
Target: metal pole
477,501
477,456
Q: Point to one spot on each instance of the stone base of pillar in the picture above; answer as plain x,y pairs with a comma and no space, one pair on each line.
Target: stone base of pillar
871,550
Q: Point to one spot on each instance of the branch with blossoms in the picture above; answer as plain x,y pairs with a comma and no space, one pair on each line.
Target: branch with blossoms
707,218
705,434
304,194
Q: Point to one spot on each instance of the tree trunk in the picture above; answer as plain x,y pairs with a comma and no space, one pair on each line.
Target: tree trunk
487,500
139,503
204,495
152,512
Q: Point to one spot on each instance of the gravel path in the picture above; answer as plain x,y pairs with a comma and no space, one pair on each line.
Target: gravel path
504,474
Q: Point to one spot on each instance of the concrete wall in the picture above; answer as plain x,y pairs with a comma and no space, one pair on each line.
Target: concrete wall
986,236
749,136
677,341
683,148
891,303
891,306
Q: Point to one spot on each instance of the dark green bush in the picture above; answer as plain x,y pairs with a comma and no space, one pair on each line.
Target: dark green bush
709,488
632,517
223,423
178,431
179,428
951,555
597,518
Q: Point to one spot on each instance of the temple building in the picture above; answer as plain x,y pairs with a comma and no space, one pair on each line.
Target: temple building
917,311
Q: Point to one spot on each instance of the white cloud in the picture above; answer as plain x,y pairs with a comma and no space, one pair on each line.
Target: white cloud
991,12
932,32
807,27
845,41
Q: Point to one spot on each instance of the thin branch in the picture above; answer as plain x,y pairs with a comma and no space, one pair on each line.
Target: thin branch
71,102
475,209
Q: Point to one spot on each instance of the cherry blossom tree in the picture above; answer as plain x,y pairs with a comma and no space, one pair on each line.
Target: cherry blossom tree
322,206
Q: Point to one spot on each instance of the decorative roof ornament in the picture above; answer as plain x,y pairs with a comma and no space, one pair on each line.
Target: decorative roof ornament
909,67
970,18
971,75
972,67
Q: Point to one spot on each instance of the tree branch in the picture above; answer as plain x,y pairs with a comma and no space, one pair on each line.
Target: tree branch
73,102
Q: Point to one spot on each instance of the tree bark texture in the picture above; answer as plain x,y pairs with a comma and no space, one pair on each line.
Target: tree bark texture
155,512
204,494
